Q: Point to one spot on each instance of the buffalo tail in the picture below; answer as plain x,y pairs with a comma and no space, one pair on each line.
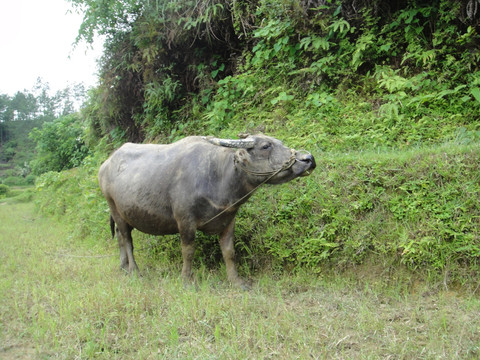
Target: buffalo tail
112,226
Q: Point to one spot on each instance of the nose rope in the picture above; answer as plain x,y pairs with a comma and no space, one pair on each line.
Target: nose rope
288,164
245,196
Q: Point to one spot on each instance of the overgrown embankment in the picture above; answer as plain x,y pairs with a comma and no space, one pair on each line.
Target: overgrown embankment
419,208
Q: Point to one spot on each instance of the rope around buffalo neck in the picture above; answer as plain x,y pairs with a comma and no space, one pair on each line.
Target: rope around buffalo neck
270,175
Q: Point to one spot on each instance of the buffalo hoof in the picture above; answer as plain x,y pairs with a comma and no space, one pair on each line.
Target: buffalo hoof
131,272
245,287
241,284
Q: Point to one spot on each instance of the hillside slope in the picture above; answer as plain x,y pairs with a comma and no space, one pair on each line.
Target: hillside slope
386,96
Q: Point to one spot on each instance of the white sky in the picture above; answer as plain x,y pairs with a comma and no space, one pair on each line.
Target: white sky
36,40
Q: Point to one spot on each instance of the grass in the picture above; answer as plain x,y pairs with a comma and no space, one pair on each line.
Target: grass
59,299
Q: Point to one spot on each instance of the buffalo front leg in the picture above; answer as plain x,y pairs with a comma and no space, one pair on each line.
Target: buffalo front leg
228,252
188,249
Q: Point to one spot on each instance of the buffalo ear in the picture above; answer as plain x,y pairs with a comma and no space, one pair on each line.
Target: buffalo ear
242,156
243,135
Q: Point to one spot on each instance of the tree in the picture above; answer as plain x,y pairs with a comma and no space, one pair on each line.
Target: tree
24,105
4,101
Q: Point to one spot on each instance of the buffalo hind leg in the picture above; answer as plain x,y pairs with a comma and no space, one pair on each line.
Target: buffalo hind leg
228,252
125,243
123,252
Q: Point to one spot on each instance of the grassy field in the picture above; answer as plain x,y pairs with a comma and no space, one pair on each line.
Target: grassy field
65,297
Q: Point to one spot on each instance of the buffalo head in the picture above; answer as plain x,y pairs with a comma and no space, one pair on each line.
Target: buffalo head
262,157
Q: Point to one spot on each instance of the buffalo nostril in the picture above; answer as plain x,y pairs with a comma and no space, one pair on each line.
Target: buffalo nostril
310,160
306,157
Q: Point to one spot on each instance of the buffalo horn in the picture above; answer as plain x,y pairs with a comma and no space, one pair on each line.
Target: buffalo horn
243,143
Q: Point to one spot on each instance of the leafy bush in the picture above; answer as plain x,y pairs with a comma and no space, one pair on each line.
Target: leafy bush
8,152
14,180
59,145
30,179
4,189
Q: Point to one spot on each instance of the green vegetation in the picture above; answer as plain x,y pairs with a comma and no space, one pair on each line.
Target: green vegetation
62,296
4,189
342,75
16,194
386,96
417,208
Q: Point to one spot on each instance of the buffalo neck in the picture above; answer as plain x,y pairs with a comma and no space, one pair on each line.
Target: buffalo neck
236,183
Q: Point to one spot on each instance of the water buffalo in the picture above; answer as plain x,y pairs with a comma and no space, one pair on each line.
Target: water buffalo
197,183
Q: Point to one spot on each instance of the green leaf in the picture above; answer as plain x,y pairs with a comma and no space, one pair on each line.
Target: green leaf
476,93
278,46
321,42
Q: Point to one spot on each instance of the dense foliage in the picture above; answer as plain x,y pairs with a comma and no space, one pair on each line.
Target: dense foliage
411,67
385,94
